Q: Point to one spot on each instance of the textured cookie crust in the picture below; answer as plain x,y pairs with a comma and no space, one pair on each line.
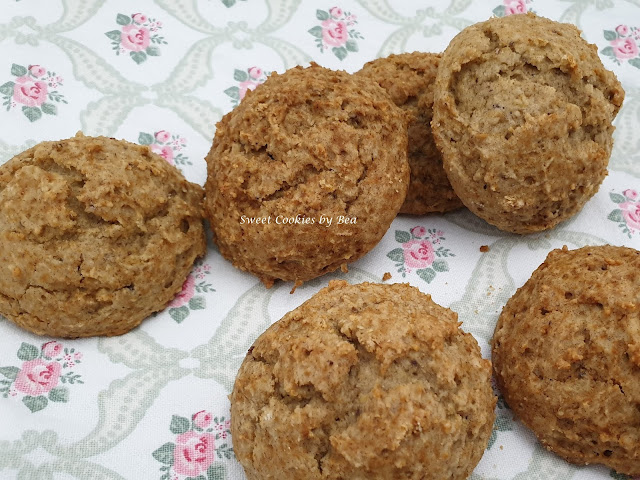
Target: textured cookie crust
95,235
360,382
522,115
566,354
308,143
409,79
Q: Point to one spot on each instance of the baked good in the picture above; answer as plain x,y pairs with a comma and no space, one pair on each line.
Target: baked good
95,235
409,79
522,115
566,355
305,148
365,381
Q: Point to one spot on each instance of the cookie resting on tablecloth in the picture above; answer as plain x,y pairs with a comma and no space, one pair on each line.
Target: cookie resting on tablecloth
566,354
306,174
409,79
364,381
95,235
522,115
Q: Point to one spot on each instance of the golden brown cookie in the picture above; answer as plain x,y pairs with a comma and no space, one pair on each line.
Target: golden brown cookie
522,115
308,147
409,79
364,381
95,235
566,354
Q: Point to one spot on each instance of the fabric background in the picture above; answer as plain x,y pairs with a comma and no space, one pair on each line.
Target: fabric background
162,73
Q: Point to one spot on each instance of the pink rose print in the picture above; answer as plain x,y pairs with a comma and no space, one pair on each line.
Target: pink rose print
135,38
138,37
514,7
37,377
166,144
335,32
631,214
164,151
623,46
418,253
418,231
37,71
255,73
202,419
631,194
247,80
194,453
622,30
51,349
29,92
162,136
188,289
139,18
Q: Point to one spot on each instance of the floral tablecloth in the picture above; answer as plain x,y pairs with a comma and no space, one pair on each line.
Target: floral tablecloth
162,73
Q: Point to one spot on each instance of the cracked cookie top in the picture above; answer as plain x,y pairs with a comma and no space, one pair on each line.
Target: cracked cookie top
522,115
566,353
364,381
95,235
306,174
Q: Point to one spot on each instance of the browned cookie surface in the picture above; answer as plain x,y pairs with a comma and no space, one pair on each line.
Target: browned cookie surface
95,235
363,381
522,114
307,147
566,353
409,79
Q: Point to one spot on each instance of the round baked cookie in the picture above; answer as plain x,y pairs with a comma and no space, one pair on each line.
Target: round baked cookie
566,355
95,235
363,381
522,115
307,147
409,79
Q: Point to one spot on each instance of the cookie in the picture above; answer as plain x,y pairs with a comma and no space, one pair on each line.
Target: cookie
522,115
95,235
566,354
409,79
364,381
306,174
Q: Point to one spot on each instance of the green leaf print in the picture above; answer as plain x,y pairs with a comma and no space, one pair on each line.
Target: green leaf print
179,314
59,394
216,472
616,216
635,62
18,70
197,303
351,45
10,372
32,113
145,138
114,35
610,35
153,51
322,15
427,274
608,51
440,266
500,11
179,424
233,92
402,237
28,352
617,198
35,404
138,57
164,454
316,32
397,255
240,75
340,52
123,19
7,88
49,108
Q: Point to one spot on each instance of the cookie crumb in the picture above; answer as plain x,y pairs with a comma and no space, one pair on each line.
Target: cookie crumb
484,248
386,276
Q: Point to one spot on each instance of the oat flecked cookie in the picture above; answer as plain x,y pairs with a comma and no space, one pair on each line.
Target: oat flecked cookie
566,354
95,235
364,381
306,174
409,79
522,115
